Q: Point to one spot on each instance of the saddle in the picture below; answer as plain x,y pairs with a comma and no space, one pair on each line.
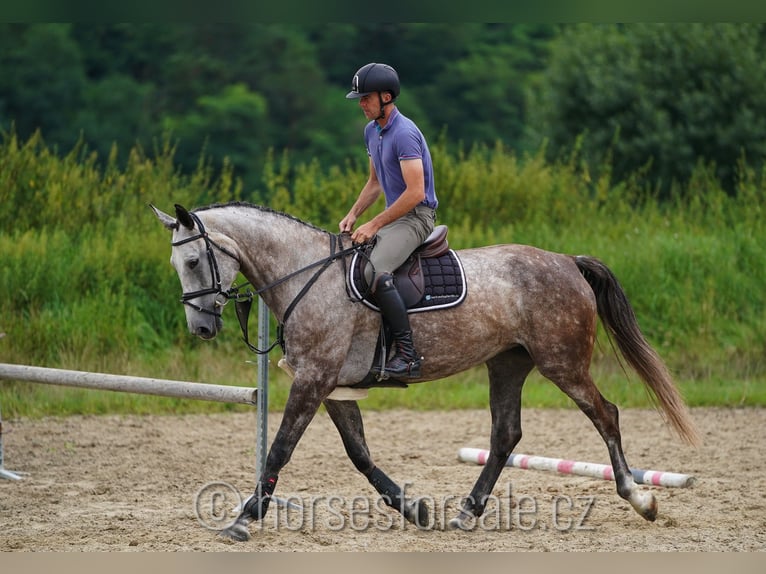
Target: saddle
431,278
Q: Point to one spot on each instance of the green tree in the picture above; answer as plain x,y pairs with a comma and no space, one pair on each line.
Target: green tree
485,86
656,97
229,124
42,80
117,111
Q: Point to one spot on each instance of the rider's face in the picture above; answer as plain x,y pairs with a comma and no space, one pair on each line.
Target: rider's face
370,104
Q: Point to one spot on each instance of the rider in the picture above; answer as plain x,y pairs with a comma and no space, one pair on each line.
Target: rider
400,168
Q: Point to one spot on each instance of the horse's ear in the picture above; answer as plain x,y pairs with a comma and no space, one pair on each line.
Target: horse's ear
183,217
164,218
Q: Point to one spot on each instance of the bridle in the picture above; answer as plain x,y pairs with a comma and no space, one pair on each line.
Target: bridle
244,300
215,288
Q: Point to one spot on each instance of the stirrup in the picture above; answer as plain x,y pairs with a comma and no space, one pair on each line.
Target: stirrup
412,368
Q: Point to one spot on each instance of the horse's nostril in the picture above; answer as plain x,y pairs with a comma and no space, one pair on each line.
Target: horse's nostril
204,332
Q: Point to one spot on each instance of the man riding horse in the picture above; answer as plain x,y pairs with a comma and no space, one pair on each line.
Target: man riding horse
400,168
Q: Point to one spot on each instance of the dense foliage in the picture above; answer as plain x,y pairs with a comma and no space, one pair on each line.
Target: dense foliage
238,90
659,97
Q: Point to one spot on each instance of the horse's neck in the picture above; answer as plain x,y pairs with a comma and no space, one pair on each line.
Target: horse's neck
271,246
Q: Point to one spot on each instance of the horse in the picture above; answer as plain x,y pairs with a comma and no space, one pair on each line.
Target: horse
525,308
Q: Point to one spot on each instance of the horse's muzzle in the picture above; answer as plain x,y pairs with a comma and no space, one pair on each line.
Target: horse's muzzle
207,331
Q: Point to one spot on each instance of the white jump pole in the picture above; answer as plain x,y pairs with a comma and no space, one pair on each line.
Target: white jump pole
128,384
590,469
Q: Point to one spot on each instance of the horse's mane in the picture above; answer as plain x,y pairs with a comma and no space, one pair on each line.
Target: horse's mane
259,208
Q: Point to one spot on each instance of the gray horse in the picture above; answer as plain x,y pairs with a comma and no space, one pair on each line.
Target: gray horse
524,308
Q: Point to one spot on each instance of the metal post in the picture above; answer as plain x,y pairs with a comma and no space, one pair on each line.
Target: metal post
262,398
262,404
3,472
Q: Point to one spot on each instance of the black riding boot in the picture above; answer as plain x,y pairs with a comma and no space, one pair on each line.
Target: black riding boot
406,362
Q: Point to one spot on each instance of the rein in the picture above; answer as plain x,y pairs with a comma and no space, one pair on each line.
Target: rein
244,301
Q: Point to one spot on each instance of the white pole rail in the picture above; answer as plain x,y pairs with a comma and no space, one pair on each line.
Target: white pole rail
128,384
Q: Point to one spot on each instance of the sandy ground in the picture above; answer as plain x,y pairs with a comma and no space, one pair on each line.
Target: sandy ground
149,483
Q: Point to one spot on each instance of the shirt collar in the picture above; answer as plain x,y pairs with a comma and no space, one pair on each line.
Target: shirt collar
394,114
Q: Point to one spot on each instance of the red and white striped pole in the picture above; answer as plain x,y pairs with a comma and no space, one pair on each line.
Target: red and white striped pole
590,469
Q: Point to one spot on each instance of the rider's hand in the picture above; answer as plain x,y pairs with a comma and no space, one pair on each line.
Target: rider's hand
365,233
346,224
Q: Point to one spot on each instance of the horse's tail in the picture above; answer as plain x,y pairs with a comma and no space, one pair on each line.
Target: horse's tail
618,317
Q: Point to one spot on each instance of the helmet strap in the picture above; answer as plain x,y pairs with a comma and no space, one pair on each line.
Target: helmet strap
383,105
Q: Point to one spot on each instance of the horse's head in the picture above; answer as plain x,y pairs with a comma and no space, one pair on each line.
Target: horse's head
205,275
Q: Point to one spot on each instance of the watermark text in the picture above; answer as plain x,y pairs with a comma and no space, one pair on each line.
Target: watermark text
217,505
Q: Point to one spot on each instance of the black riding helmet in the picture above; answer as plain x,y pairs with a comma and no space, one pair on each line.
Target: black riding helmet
372,78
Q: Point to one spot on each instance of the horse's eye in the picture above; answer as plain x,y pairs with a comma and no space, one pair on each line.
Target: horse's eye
192,263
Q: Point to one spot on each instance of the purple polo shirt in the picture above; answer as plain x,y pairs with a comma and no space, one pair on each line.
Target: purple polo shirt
399,141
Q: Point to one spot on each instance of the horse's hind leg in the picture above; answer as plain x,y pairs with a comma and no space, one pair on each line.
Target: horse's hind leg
507,373
605,417
348,420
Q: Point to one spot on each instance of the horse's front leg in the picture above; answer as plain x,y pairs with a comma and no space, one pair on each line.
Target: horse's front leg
302,404
348,420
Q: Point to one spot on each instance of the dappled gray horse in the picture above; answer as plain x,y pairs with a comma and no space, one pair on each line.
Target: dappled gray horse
524,308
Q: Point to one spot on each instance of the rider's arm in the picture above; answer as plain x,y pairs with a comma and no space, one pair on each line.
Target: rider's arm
369,195
414,193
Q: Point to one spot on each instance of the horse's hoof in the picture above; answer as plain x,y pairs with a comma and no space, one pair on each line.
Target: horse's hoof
236,532
650,513
645,504
418,514
461,522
